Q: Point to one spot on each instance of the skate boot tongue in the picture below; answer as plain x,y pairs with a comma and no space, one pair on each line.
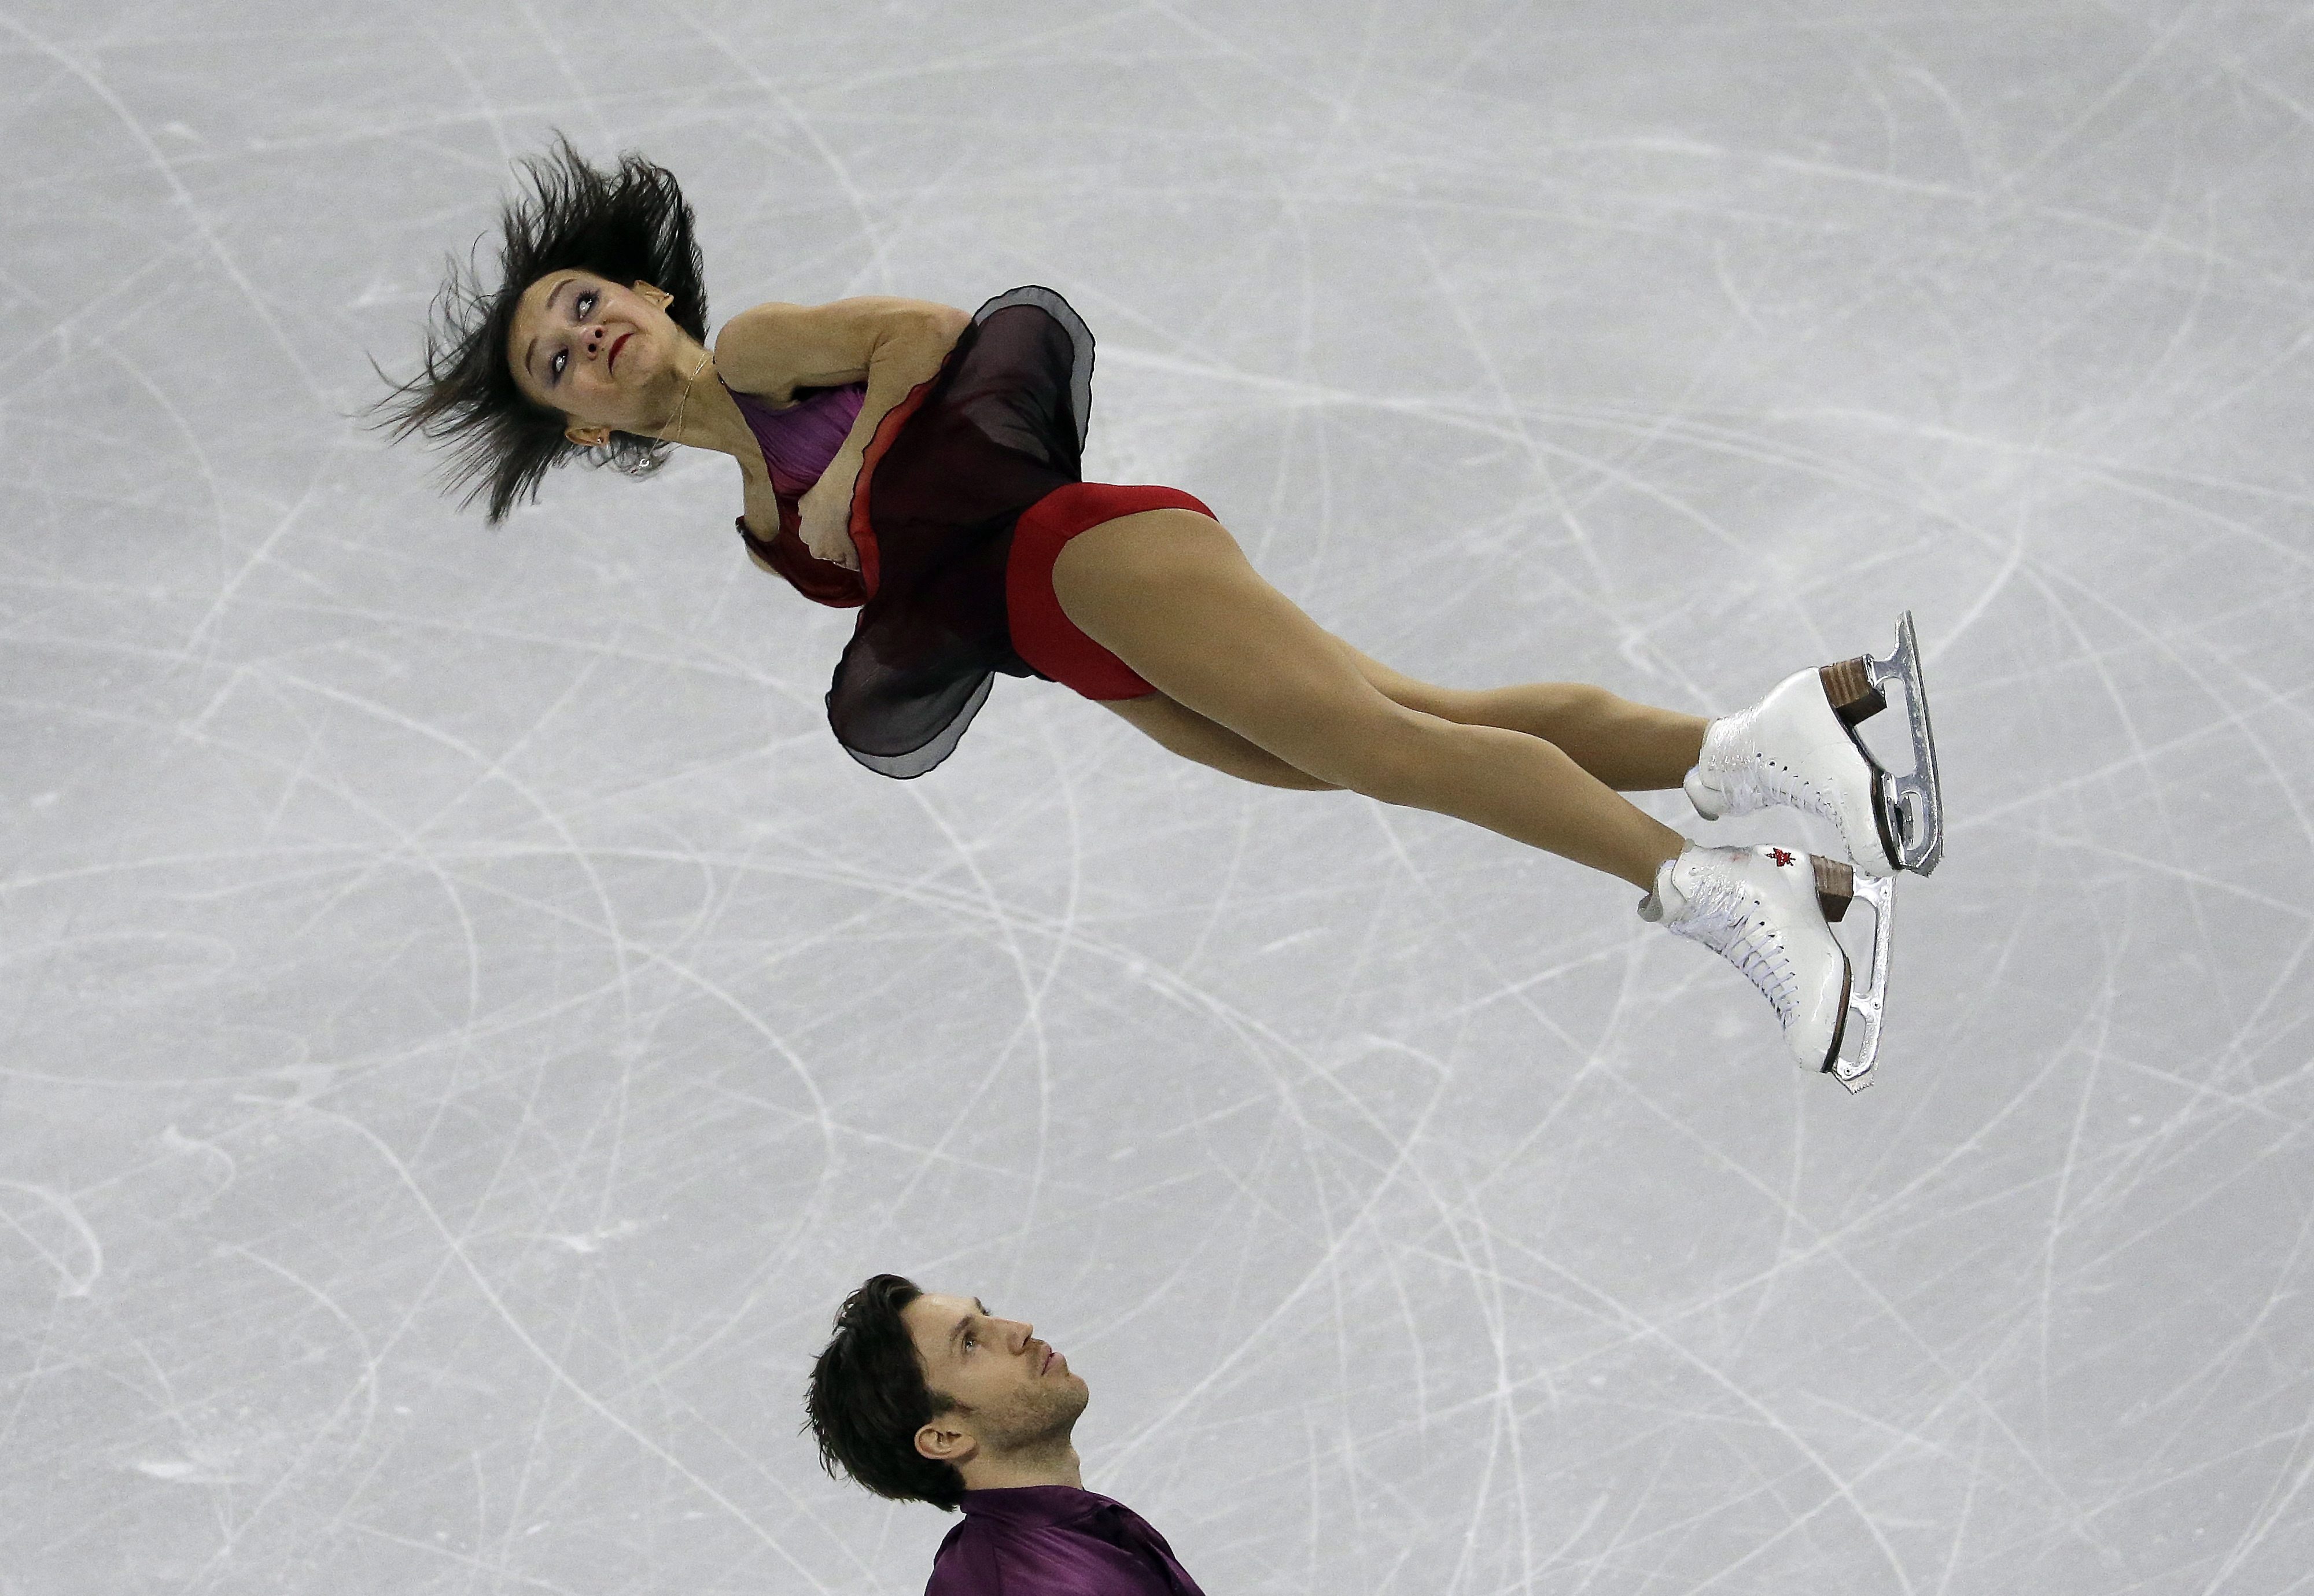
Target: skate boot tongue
1701,793
1652,906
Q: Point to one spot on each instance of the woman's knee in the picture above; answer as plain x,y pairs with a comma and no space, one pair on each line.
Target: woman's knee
1581,701
1552,710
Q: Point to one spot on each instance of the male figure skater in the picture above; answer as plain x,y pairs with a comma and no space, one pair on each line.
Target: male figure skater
927,1398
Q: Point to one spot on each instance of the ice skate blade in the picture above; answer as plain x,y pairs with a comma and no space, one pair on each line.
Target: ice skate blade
1856,1073
1915,800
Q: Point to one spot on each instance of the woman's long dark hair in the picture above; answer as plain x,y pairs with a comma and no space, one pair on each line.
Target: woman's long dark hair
629,225
868,1398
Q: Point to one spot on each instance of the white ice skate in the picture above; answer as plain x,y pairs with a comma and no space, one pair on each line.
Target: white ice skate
1766,910
1798,746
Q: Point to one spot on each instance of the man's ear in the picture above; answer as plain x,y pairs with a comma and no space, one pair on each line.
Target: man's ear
587,437
943,1442
659,298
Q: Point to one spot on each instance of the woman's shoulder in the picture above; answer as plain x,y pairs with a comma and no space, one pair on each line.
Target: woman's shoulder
773,349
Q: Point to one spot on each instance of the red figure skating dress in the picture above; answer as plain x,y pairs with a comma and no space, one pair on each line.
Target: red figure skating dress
967,495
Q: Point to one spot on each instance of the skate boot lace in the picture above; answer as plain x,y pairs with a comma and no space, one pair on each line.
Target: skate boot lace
1728,921
1749,780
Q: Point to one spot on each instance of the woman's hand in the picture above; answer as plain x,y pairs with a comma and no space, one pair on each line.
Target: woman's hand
824,514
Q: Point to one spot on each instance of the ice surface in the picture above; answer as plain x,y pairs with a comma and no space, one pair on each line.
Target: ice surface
467,1024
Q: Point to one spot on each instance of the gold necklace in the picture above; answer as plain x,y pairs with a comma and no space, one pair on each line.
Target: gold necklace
675,427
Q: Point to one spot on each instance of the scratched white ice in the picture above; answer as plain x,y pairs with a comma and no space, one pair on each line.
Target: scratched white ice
467,1024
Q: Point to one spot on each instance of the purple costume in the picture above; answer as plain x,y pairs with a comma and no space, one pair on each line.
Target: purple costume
950,469
1054,1540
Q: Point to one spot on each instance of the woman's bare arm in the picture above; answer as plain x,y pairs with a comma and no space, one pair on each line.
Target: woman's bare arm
773,350
894,344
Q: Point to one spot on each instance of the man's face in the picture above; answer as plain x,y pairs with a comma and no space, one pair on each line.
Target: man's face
1014,1391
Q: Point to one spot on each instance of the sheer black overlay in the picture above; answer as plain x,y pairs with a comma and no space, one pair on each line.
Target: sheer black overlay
999,426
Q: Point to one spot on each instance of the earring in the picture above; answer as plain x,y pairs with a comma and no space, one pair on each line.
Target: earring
642,464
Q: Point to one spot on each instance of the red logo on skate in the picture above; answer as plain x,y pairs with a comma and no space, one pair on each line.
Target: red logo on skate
1780,856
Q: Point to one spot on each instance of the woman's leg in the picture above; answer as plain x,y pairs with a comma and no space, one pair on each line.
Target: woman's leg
1170,593
1631,747
1193,737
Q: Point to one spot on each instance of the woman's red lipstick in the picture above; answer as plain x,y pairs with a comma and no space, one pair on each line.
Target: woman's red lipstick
611,362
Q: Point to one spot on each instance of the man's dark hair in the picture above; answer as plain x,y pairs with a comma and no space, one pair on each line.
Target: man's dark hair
629,225
868,1398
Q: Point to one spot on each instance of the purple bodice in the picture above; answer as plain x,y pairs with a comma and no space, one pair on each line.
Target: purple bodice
798,442
947,475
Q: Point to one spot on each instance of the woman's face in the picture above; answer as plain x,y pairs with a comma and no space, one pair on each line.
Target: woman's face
606,357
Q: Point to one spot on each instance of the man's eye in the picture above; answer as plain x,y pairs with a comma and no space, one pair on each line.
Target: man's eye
970,1341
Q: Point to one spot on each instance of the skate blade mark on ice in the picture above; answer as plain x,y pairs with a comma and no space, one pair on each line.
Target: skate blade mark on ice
1910,806
1838,886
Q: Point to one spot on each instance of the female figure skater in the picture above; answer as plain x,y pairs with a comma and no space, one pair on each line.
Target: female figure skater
920,465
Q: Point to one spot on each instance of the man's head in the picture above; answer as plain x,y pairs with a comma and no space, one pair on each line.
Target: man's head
921,1396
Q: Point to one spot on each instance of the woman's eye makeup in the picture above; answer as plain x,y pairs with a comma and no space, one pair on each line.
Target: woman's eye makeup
582,305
